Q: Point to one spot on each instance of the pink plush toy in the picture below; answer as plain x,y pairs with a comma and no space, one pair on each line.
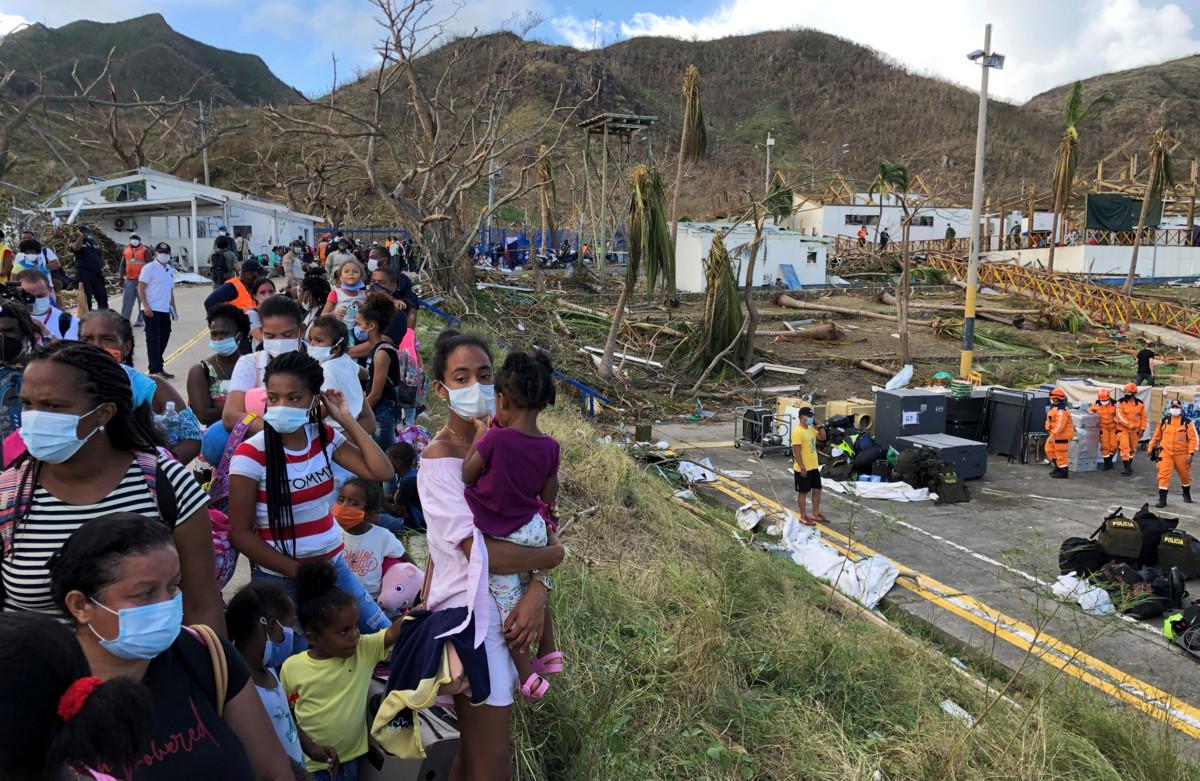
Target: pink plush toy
401,586
256,401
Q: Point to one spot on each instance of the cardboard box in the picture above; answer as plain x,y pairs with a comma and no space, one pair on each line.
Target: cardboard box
855,407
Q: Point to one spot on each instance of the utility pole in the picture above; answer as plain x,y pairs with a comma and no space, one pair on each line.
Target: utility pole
204,141
770,143
987,60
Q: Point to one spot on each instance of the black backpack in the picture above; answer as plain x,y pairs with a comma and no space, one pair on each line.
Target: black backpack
1081,555
1142,593
1179,549
1153,528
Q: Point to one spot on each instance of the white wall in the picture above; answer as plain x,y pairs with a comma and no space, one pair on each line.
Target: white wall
1153,261
173,227
807,256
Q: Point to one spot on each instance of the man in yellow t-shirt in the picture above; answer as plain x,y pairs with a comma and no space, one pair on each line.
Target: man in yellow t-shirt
805,467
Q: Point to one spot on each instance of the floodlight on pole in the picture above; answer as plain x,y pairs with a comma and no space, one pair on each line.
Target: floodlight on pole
986,59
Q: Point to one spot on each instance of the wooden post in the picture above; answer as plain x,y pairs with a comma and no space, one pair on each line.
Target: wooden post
1032,193
986,243
1132,166
1192,207
602,250
1099,170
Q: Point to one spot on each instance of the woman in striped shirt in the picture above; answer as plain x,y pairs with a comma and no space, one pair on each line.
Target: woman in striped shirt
281,480
88,457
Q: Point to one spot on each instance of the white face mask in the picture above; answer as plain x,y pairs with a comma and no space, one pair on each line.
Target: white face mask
41,305
135,242
372,264
273,347
473,401
320,354
163,258
1174,412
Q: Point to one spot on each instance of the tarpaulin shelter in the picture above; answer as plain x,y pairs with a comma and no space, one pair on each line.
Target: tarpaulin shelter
1115,212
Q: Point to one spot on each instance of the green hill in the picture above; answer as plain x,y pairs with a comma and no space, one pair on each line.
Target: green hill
150,59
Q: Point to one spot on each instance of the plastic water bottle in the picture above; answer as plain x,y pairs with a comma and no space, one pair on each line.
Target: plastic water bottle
171,422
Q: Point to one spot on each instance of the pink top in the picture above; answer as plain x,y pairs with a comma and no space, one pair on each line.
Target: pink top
457,581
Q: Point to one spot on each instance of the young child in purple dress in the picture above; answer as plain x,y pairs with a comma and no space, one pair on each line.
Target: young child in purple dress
511,474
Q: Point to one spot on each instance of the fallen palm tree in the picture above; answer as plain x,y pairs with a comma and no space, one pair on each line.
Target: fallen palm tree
783,299
825,332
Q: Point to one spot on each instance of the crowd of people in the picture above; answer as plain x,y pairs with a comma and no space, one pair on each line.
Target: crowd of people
124,508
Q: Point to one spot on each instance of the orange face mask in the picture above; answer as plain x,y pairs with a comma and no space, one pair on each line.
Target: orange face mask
116,353
348,517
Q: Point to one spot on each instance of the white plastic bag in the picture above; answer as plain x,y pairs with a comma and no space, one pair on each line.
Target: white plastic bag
901,378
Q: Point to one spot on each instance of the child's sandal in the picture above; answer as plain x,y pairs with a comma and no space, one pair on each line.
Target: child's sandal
550,664
534,688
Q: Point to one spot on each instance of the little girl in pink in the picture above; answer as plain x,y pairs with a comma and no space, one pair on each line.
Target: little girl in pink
511,473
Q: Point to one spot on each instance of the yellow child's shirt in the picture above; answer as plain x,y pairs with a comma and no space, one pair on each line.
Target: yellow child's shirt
329,697
806,439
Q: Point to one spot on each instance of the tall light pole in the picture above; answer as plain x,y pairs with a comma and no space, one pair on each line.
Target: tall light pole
987,59
767,180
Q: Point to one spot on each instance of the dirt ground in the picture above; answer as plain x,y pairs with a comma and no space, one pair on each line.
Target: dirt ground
1045,349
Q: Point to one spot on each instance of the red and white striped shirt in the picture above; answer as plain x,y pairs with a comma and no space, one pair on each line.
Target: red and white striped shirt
310,476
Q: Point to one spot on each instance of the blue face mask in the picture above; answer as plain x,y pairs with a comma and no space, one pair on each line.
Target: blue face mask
275,654
360,335
285,420
146,631
224,347
50,436
353,288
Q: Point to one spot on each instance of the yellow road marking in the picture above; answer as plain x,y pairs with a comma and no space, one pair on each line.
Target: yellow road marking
185,346
1044,647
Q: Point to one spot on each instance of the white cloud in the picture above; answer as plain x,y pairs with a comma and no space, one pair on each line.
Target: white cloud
10,22
1047,43
584,33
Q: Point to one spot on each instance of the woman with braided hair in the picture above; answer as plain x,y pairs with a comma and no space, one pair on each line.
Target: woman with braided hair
87,456
281,480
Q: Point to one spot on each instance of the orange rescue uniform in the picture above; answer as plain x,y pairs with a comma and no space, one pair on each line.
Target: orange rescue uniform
1176,435
1060,430
1131,424
1106,411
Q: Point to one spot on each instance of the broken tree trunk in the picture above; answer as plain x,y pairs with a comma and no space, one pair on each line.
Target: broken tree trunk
783,299
825,332
887,298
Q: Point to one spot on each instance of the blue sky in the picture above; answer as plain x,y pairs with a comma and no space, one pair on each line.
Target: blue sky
1048,42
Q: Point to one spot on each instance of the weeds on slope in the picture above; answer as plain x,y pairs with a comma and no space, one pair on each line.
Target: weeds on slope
691,656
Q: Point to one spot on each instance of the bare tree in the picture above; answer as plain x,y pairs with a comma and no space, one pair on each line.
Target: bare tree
423,147
138,133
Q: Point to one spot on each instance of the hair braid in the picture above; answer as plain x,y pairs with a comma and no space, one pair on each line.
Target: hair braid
103,381
279,491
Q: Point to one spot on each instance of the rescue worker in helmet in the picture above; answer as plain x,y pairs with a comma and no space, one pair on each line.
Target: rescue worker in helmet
1131,425
1175,438
1060,430
1106,410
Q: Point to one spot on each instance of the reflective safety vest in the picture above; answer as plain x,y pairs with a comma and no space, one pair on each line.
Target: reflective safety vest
244,301
135,259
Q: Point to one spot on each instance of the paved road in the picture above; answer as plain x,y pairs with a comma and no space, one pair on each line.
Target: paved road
189,336
979,573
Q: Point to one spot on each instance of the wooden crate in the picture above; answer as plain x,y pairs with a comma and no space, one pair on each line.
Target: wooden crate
855,407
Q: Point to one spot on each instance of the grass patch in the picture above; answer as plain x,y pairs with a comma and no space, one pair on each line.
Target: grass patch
692,657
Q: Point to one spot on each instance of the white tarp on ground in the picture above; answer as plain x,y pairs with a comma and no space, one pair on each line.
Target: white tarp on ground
896,492
865,581
1094,600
